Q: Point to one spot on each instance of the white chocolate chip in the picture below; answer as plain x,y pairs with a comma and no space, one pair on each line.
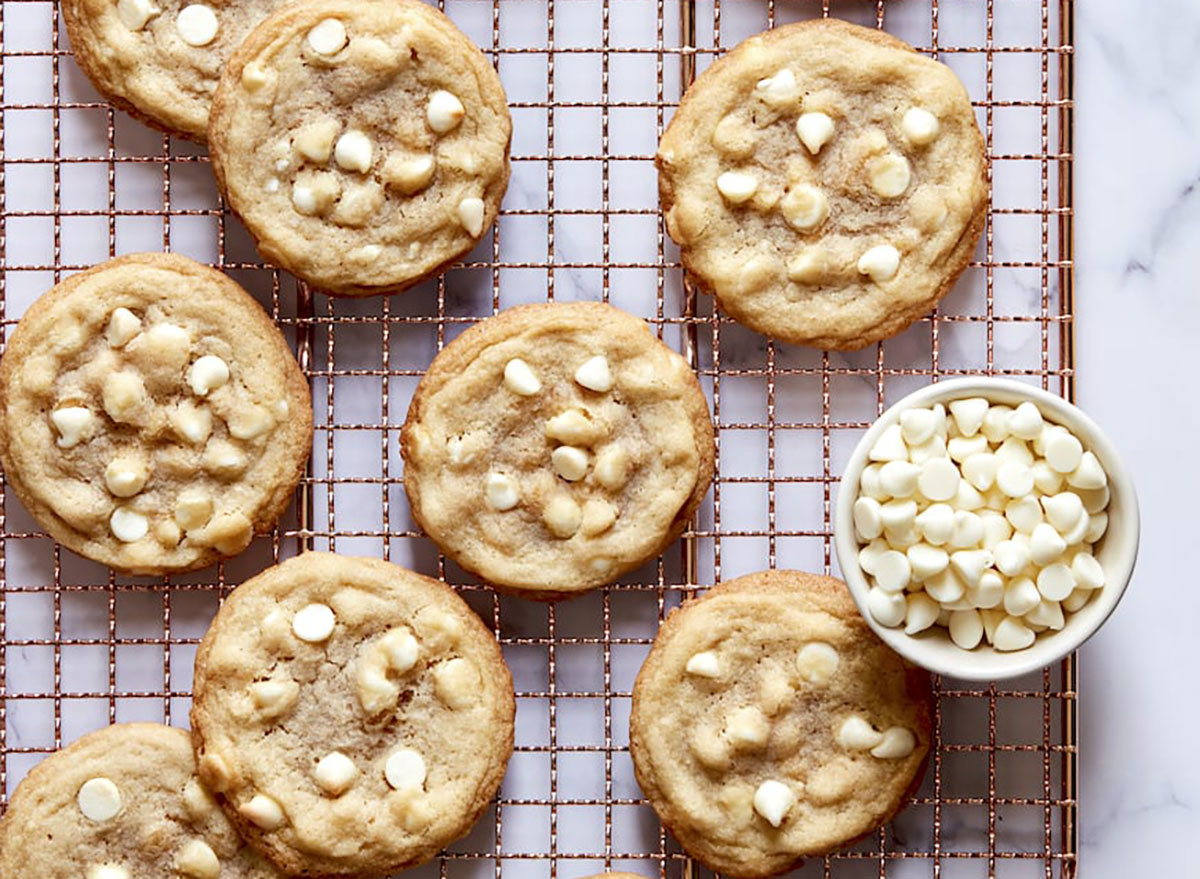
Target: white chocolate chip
193,509
1015,479
315,140
980,470
1055,582
595,375
408,175
562,516
128,525
1089,475
598,517
887,608
73,423
880,263
99,799
1048,614
1062,451
456,683
1046,545
207,374
1020,596
1012,634
335,773
966,628
817,662
889,175
897,743
969,564
804,206
936,523
926,561
899,478
968,414
470,216
1025,421
612,467
134,14
814,131
248,422
198,860
917,426
922,612
778,90
253,77
262,811
899,517
939,479
919,126
327,37
737,187
197,24
501,491
1089,574
855,734
747,728
126,475
868,521
520,378
959,448
806,267
569,462
405,770
945,587
445,112
313,623
123,325
193,423
892,571
890,445
354,152
772,800
108,871
1024,513
704,665
274,697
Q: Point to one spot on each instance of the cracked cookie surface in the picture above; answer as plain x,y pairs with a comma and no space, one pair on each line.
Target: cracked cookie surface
152,417
121,803
825,182
770,724
354,717
556,446
160,59
364,143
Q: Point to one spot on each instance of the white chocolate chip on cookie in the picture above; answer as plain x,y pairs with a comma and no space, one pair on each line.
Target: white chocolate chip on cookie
737,187
520,378
408,175
889,175
919,126
193,509
880,263
314,192
128,525
313,623
573,427
108,871
562,516
193,423
263,812
779,90
126,474
570,463
897,743
501,491
198,860
123,325
405,770
704,665
806,267
817,662
335,773
197,25
315,140
595,375
135,14
856,734
354,152
444,112
612,467
470,216
207,374
747,728
99,799
814,130
456,683
804,207
327,37
124,396
598,517
274,697
772,800
74,424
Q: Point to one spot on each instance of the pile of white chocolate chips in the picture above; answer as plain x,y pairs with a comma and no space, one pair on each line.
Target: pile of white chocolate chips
981,520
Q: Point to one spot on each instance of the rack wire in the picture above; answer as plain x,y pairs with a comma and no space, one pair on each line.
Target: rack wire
592,84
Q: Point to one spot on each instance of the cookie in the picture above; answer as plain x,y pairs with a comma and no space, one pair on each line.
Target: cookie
825,182
353,716
122,803
554,447
160,60
770,724
152,417
364,143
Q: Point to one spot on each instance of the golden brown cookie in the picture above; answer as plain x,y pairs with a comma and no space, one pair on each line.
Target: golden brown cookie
160,60
554,447
354,717
123,802
770,724
364,143
152,417
825,182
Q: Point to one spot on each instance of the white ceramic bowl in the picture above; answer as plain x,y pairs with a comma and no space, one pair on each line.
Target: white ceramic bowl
1116,551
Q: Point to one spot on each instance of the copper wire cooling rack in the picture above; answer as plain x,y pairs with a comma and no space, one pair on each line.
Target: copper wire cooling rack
591,86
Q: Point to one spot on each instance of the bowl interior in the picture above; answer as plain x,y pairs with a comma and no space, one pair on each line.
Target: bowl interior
1116,551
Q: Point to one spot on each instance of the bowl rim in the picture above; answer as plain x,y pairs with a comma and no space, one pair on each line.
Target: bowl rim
1045,650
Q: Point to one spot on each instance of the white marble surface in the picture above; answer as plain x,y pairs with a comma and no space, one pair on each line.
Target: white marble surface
1138,210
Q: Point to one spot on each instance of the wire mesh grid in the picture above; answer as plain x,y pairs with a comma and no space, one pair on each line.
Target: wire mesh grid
591,84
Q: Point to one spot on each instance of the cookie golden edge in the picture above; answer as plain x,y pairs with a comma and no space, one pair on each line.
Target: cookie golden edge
82,39
260,38
466,347
300,430
827,594
285,858
898,320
